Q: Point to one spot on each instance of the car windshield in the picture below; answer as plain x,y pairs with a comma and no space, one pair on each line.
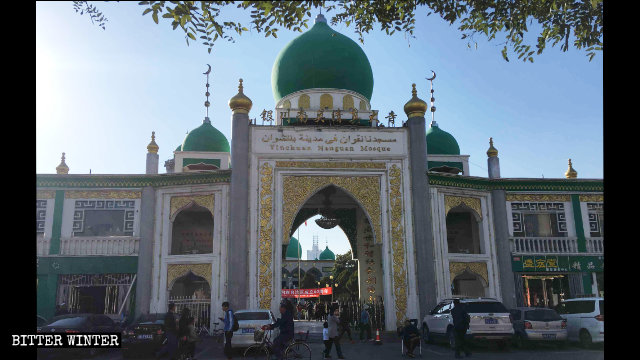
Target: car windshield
69,322
541,315
601,307
485,307
252,315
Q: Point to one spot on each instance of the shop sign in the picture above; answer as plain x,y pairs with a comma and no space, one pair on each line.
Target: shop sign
557,263
305,293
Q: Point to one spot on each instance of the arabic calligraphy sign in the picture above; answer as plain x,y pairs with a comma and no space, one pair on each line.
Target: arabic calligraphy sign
350,142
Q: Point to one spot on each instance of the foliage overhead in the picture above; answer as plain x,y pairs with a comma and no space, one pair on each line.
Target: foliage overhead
572,23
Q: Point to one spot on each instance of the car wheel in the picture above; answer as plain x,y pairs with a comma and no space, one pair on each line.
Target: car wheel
426,336
451,335
585,339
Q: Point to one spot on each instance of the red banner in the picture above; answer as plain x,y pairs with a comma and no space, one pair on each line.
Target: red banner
306,293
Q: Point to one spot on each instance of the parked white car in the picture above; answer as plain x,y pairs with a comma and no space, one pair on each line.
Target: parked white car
585,319
489,320
538,324
249,321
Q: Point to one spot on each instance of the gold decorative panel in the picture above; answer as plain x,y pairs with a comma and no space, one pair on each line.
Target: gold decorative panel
363,105
539,197
180,202
102,194
452,201
298,189
331,164
592,198
286,104
397,243
304,101
175,271
326,101
265,242
347,102
478,268
45,194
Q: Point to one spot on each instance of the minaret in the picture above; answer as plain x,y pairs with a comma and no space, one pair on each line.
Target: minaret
493,162
570,174
415,109
62,168
152,155
501,231
237,294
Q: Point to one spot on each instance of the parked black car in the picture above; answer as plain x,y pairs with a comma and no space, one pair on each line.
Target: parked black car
144,336
82,323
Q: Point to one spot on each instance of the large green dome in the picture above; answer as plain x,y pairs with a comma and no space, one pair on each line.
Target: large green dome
327,255
206,138
321,58
440,142
294,250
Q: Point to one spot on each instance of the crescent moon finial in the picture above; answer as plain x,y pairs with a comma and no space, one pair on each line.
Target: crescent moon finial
433,77
208,71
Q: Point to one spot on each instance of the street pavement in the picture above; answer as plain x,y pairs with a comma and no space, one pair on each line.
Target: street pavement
391,346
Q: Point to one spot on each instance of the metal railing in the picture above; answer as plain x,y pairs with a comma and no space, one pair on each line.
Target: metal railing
544,245
200,309
42,246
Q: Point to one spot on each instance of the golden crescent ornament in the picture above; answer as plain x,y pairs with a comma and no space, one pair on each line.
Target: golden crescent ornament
434,76
208,71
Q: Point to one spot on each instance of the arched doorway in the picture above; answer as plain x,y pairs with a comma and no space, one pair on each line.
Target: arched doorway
192,231
463,231
469,284
193,292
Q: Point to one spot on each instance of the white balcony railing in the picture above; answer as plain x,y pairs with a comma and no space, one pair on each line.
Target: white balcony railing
42,245
595,245
544,245
106,246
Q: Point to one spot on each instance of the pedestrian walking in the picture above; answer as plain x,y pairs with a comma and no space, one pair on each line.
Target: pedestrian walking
461,321
327,341
171,333
228,328
365,324
334,320
192,339
345,325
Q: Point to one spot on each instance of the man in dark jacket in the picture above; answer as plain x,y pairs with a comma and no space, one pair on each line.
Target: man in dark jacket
345,324
410,337
171,332
285,324
460,326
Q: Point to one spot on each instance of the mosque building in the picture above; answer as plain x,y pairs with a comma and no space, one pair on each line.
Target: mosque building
218,225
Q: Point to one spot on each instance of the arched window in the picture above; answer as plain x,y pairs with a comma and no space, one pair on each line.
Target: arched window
304,101
468,284
192,232
363,105
286,104
347,102
326,101
463,231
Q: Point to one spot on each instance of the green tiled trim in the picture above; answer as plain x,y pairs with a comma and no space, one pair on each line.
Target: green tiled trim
577,218
510,184
191,161
54,247
587,282
87,265
131,181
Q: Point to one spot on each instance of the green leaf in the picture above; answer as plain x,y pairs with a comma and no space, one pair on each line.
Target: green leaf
191,36
155,17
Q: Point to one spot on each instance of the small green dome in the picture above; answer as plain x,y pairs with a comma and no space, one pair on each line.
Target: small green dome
321,58
294,250
327,254
179,148
440,142
205,138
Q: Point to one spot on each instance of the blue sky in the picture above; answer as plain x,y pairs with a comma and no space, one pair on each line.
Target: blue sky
100,93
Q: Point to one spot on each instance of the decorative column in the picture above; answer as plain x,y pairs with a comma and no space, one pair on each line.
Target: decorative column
422,229
145,249
501,231
152,155
238,275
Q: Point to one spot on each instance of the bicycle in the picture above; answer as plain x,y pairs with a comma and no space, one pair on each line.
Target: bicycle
296,349
217,334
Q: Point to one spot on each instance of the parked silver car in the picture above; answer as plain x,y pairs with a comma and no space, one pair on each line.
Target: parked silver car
538,324
249,321
585,319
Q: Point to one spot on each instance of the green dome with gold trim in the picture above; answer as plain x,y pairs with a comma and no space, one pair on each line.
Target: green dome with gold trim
327,254
205,138
440,142
294,250
321,58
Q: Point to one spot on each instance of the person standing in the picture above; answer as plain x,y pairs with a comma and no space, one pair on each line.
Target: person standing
326,340
228,326
365,324
334,321
192,339
171,332
461,321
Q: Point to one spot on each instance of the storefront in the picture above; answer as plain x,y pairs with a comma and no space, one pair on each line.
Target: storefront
546,280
